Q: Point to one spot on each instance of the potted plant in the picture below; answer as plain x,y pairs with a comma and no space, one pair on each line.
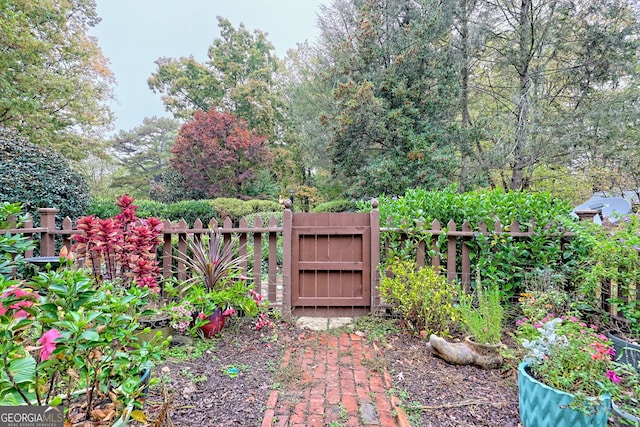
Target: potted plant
567,374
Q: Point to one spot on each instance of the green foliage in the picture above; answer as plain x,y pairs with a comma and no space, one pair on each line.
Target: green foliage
613,259
54,80
143,154
482,313
172,187
62,335
148,208
418,208
263,206
536,304
232,208
190,211
213,262
502,259
337,206
424,298
103,207
567,354
393,97
87,323
239,75
627,395
12,246
265,217
39,177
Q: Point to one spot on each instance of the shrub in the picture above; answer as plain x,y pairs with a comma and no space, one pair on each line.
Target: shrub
503,260
613,261
147,208
423,297
12,246
265,217
172,188
122,246
190,210
337,206
103,207
232,208
39,177
263,206
419,207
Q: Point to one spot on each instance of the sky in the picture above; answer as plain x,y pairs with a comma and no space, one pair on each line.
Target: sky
135,33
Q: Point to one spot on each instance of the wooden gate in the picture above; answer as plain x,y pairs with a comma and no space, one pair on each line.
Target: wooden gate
331,263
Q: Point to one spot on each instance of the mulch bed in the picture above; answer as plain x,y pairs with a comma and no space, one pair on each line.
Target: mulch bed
206,391
435,393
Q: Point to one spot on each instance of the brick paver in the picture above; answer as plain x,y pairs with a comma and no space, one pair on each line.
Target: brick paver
336,385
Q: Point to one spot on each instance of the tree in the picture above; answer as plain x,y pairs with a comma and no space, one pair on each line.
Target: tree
394,95
54,80
550,76
308,95
218,154
143,153
238,78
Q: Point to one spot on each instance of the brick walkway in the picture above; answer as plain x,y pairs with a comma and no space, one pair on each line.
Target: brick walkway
338,381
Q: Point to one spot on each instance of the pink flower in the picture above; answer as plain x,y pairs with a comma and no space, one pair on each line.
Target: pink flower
47,343
17,293
613,377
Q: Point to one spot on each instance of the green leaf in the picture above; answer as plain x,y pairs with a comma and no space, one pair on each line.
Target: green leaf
90,335
23,370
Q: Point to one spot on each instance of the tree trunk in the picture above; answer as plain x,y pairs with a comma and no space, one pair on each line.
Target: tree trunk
520,161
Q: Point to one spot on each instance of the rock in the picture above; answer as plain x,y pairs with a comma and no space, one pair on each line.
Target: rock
188,390
461,353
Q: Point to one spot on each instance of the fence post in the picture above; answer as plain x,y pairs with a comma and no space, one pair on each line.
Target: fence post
374,223
48,238
287,235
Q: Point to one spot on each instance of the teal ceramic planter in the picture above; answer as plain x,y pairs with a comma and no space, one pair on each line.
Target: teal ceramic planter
543,406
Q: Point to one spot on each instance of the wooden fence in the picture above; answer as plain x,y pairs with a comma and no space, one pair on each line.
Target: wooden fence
174,242
269,278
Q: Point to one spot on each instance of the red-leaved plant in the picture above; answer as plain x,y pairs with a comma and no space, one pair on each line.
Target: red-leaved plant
125,245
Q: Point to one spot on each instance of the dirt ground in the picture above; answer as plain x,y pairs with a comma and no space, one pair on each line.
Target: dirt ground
225,381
